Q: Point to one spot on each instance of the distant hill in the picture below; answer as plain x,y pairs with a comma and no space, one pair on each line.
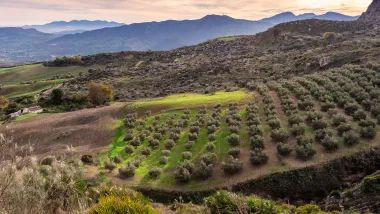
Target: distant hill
71,27
289,17
155,35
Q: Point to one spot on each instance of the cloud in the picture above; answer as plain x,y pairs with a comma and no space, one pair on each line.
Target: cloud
129,11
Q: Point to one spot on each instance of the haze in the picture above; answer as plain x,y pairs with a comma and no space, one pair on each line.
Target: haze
25,12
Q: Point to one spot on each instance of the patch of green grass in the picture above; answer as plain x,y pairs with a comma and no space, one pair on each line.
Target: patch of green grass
12,91
191,100
27,116
227,38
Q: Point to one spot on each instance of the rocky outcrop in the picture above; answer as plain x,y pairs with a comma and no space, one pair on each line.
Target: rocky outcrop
372,13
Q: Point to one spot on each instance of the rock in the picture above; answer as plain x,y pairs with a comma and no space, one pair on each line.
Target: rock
324,61
372,13
87,159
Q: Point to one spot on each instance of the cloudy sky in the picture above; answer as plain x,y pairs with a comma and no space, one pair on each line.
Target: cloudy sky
21,12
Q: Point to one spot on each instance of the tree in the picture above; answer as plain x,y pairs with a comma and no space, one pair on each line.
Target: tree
3,102
56,96
99,93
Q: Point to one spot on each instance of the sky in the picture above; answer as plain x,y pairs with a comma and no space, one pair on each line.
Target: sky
27,12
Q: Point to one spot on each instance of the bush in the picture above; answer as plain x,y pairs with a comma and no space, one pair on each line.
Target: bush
155,172
343,128
210,146
127,171
368,132
212,137
255,130
327,106
258,157
129,149
193,136
48,161
350,138
298,130
312,115
195,129
182,175
211,129
117,159
233,140
232,166
174,136
367,123
209,158
234,152
350,109
338,119
360,115
157,136
129,136
319,124
187,155
305,151
163,160
303,140
189,145
154,143
87,159
146,151
136,142
321,134
329,143
284,149
169,144
279,135
294,119
109,165
274,123
257,142
234,129
203,171
371,184
99,93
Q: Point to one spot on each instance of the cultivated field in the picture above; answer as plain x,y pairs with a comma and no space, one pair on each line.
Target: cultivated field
36,78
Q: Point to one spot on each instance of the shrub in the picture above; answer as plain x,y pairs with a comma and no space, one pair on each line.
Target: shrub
165,153
127,171
343,128
319,124
188,165
371,184
189,145
279,135
169,144
154,143
87,159
367,123
284,149
327,106
305,151
203,171
210,146
136,142
182,175
195,129
303,140
174,136
117,159
368,132
193,136
187,155
48,161
329,143
350,138
350,109
129,149
255,130
129,136
335,193
142,136
234,129
360,115
234,152
163,160
155,172
99,93
274,123
157,136
212,137
338,119
294,119
298,130
258,157
321,134
209,158
109,165
211,129
312,115
257,142
232,166
122,204
146,151
233,140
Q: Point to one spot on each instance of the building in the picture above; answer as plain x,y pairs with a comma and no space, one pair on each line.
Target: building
30,110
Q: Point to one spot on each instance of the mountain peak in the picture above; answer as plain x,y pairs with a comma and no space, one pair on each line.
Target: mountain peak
372,13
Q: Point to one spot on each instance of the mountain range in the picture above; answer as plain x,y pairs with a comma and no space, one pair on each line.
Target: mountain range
72,27
44,42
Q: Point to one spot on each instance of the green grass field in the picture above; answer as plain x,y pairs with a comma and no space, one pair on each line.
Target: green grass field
11,78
